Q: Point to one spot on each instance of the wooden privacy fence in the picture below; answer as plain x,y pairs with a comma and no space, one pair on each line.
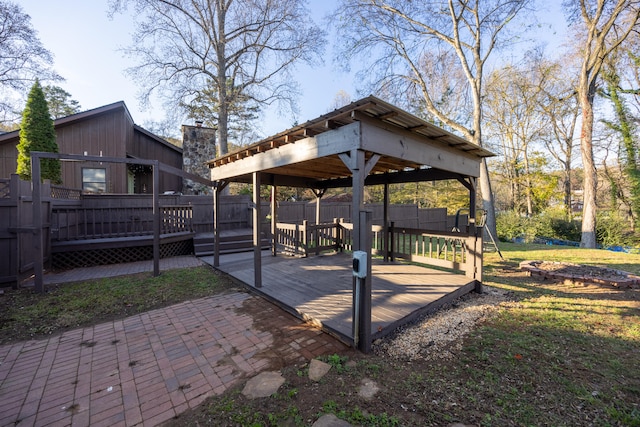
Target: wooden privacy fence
16,225
403,215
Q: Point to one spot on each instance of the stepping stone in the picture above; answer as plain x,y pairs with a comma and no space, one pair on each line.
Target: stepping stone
318,369
263,385
330,420
368,389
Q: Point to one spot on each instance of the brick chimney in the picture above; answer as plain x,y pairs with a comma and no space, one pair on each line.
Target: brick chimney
198,147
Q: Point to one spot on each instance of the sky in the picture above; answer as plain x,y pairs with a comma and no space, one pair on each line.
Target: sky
85,43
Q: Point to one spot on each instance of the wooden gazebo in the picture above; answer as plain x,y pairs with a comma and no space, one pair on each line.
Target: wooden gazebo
368,142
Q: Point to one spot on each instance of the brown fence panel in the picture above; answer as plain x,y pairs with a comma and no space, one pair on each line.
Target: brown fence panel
235,212
202,211
16,229
8,237
433,219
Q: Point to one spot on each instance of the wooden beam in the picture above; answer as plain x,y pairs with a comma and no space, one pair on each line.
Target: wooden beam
411,147
387,115
311,148
419,175
257,240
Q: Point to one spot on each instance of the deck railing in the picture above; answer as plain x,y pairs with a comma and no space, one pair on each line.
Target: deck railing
304,239
77,223
440,248
452,250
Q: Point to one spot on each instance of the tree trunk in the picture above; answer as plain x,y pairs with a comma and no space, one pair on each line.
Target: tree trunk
588,239
528,189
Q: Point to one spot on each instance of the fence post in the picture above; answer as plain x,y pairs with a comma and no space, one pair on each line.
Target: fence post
38,262
15,194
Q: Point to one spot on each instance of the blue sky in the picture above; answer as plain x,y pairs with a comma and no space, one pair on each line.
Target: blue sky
85,44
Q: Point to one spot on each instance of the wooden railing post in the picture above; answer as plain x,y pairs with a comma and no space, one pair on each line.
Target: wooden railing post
305,239
296,238
392,242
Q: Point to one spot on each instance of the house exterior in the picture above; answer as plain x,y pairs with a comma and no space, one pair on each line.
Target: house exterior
107,131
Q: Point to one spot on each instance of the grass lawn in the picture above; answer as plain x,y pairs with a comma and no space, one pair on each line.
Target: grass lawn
25,314
551,354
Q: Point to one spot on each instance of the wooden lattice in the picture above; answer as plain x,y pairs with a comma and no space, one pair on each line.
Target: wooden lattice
59,192
89,258
5,188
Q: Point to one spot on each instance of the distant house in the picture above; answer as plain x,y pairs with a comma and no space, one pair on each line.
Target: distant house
105,131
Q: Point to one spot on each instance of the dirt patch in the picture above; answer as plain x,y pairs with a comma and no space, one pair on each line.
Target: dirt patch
583,274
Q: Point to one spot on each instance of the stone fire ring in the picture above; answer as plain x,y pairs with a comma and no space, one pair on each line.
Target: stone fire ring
580,274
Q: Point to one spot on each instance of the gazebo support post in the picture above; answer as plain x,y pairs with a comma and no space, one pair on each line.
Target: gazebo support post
217,192
156,218
477,249
216,226
385,222
364,294
257,240
361,219
274,215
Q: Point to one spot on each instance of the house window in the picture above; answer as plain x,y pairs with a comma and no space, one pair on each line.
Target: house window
94,180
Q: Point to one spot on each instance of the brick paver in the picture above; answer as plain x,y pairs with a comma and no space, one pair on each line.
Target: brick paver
148,368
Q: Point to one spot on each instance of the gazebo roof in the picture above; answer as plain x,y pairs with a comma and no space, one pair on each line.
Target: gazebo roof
326,165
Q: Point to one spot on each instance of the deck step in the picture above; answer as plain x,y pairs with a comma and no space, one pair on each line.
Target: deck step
204,244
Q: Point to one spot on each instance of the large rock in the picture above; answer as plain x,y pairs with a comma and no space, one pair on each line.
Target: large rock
318,369
330,420
263,385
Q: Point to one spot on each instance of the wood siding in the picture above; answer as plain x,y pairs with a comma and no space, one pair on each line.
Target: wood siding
108,131
143,146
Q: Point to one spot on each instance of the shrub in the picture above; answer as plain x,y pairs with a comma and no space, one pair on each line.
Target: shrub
511,225
554,224
610,230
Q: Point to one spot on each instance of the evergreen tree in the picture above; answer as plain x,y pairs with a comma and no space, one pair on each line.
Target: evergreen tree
60,102
37,134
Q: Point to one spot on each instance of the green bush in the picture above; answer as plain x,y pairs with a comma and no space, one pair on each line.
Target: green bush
610,230
551,223
554,224
511,225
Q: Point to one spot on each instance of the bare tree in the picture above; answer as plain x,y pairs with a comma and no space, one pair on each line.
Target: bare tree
515,123
341,99
406,46
23,58
559,108
606,25
230,53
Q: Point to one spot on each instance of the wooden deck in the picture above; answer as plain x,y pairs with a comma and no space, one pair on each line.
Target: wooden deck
319,289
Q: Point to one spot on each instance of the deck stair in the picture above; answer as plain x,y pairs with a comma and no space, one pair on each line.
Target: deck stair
231,241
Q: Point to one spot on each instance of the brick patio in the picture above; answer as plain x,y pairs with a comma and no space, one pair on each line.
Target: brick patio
148,368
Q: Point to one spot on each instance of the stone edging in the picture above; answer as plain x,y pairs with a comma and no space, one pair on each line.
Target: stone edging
627,281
